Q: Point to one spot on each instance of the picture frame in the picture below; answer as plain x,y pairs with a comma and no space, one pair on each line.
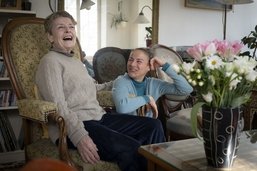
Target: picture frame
207,4
10,4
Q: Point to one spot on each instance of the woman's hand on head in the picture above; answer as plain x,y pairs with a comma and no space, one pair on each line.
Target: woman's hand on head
156,62
88,150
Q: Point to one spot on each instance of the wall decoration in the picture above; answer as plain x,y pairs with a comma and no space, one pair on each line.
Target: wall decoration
206,4
10,4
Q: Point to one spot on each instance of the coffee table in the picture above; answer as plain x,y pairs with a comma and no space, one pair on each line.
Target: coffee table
188,155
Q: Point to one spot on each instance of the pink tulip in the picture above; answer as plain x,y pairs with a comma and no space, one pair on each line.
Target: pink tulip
196,52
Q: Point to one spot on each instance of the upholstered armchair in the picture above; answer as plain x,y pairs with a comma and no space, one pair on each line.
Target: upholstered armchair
109,63
24,43
176,109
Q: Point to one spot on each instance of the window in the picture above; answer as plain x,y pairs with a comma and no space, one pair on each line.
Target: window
87,25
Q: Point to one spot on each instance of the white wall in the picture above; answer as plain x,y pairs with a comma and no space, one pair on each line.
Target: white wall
180,25
133,34
118,36
41,7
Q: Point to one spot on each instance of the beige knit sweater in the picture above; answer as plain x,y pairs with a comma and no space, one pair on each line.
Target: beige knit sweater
64,80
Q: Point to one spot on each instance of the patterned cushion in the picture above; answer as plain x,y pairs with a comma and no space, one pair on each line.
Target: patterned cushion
45,148
36,109
108,63
105,98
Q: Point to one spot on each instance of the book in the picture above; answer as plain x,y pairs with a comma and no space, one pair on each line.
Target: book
2,143
10,140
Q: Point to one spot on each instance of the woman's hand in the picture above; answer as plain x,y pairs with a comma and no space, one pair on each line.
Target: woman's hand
88,150
155,63
153,106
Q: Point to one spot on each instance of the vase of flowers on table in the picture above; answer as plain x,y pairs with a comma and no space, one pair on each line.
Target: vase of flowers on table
223,82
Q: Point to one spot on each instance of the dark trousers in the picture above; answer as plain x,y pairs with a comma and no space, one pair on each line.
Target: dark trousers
118,137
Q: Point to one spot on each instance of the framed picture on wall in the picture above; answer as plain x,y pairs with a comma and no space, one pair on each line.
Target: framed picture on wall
206,4
10,4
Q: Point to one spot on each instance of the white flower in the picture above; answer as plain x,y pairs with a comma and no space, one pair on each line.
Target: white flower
229,74
229,67
214,62
207,97
201,83
194,82
187,67
251,76
242,64
233,84
199,76
176,68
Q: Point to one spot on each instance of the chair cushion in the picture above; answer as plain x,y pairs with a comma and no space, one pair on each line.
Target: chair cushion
180,122
44,148
109,63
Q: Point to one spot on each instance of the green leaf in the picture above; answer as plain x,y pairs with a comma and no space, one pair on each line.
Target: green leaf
194,112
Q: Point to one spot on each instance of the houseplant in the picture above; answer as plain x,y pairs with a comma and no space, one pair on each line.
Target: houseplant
251,42
223,81
148,37
118,20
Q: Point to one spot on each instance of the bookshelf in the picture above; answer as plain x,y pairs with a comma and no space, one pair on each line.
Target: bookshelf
11,133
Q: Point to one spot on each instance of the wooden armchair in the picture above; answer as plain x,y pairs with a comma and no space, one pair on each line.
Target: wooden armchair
24,43
176,121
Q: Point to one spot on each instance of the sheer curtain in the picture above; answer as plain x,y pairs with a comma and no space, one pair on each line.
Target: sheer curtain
87,25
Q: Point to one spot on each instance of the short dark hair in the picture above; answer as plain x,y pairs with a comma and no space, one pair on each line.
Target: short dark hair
49,20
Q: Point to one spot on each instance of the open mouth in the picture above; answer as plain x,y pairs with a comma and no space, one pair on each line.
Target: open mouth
132,70
68,38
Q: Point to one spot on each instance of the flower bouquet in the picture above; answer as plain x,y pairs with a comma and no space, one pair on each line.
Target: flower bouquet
219,76
223,82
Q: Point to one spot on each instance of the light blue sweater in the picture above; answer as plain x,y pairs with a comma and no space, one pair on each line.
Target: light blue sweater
125,94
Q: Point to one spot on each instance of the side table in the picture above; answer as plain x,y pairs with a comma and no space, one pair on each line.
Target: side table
189,155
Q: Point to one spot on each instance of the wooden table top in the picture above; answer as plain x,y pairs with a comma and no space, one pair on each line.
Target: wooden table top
189,155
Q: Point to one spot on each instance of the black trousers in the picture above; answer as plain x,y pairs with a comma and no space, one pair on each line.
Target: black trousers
118,137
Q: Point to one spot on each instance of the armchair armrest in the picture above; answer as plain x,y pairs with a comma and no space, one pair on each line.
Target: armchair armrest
36,109
105,99
39,110
176,98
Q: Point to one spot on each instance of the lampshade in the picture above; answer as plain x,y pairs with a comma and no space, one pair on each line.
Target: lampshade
141,19
232,2
86,4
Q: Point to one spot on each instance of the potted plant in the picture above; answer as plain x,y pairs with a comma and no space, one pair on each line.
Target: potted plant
148,37
251,42
118,20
